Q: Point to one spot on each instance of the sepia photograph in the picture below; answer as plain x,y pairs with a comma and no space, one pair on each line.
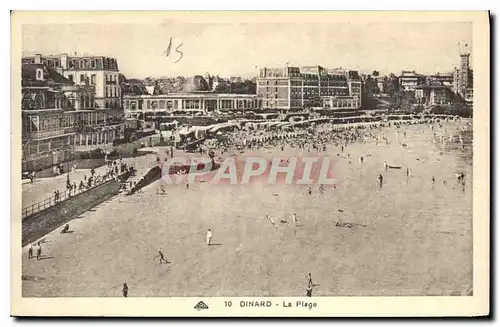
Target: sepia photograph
249,163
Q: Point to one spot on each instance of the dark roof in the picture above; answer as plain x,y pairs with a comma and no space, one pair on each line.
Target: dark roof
58,78
28,74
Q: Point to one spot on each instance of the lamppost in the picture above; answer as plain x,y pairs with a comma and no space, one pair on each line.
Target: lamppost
68,159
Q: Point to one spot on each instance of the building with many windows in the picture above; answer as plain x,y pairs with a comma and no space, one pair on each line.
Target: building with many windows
463,77
409,80
195,97
98,71
295,88
430,95
58,116
440,79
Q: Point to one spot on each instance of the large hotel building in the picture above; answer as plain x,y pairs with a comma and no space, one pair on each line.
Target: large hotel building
67,103
97,71
295,88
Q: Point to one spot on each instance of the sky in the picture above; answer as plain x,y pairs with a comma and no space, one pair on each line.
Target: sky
235,48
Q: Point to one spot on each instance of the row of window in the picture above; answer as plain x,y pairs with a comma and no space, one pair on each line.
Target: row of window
111,78
91,63
111,92
82,78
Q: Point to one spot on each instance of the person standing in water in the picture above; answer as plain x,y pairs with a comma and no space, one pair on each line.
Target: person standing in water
433,181
380,179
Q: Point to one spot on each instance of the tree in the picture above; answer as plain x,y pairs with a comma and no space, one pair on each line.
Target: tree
375,73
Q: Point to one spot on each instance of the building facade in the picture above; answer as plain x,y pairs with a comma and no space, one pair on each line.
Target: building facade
98,71
409,80
463,78
295,88
382,84
440,79
136,106
58,116
430,95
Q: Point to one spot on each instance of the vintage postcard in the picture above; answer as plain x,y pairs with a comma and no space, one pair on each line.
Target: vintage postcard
257,164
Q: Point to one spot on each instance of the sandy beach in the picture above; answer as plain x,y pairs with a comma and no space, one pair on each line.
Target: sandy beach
405,238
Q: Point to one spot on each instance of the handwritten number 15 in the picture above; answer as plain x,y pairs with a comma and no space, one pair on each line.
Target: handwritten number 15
168,51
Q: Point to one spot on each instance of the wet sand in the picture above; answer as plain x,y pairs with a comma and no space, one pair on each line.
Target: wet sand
406,239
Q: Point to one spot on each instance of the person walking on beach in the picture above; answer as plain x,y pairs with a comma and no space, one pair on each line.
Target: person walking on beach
125,290
380,179
30,251
65,229
309,291
38,251
309,280
209,237
310,190
294,219
433,181
161,256
361,159
386,166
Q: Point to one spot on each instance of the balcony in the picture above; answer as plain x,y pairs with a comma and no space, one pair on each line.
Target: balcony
45,134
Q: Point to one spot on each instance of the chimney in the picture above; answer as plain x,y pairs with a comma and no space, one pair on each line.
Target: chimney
38,58
64,61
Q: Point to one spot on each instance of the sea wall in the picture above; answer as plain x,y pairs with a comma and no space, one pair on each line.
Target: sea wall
151,176
43,222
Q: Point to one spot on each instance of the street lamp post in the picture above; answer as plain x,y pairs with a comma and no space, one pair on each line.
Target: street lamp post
68,162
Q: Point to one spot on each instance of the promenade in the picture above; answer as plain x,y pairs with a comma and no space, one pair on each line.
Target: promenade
44,188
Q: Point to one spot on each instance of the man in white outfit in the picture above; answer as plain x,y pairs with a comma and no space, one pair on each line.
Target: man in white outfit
209,237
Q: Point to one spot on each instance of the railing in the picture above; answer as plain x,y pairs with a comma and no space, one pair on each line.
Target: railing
47,203
37,135
63,196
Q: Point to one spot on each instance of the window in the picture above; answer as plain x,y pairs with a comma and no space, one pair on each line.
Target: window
82,78
92,78
93,63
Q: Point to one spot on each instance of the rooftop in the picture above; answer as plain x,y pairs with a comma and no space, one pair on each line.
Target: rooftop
28,74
